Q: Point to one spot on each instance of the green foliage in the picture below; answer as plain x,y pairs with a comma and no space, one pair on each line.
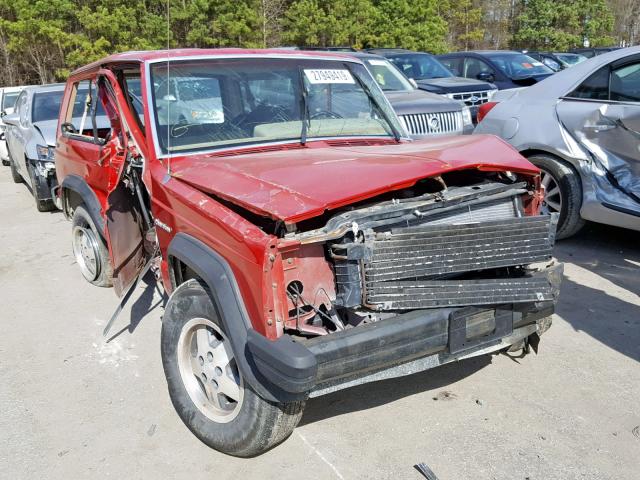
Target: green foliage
563,24
43,40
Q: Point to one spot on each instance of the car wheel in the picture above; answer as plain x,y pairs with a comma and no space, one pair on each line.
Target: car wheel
43,205
563,194
205,385
6,163
17,178
89,250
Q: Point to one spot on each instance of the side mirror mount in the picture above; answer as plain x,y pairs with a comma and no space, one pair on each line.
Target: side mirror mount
486,77
68,128
11,119
413,82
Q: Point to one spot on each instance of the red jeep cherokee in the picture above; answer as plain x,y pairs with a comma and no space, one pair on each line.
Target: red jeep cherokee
306,243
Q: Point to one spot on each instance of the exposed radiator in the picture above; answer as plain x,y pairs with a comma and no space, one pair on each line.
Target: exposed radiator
418,252
409,295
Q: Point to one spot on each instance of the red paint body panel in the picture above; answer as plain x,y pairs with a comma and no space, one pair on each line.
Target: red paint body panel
294,185
285,182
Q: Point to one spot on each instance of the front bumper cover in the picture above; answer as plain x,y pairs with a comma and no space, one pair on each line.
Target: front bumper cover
416,340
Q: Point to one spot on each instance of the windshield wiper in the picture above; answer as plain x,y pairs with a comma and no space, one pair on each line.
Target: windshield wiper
304,107
367,90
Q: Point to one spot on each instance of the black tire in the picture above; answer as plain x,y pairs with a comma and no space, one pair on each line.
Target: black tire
17,178
42,204
258,425
570,188
103,276
6,163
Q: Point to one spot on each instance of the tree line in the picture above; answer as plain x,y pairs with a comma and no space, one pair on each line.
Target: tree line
41,41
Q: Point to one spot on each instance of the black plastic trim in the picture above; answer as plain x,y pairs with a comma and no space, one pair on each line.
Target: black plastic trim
278,370
82,188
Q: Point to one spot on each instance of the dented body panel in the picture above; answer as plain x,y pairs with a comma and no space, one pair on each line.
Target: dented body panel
598,138
297,228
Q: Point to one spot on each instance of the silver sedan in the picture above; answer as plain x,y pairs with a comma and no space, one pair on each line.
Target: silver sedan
581,127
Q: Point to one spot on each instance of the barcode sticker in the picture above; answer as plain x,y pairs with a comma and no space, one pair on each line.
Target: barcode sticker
329,76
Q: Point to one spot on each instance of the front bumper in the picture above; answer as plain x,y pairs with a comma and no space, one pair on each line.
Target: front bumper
44,178
408,343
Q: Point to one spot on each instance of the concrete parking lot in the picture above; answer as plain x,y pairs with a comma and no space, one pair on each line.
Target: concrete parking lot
73,406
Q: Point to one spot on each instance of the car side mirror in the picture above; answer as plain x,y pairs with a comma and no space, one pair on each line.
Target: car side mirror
486,77
11,119
413,82
67,127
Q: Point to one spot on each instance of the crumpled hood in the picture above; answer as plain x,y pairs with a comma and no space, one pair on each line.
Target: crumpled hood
47,130
294,184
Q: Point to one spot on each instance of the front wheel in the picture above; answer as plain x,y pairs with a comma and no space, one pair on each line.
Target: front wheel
205,385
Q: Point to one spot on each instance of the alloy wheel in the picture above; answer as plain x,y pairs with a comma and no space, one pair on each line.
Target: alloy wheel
86,252
552,202
209,371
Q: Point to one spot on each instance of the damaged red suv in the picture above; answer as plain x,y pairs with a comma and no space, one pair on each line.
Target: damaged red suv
306,243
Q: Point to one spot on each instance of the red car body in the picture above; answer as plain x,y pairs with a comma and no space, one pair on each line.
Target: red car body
224,198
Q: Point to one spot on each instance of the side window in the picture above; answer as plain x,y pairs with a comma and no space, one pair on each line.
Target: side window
454,64
131,85
596,87
625,83
474,67
85,117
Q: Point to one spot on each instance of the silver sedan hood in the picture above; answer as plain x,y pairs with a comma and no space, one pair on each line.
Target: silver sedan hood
47,130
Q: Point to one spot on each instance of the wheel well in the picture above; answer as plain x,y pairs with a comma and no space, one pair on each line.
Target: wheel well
532,151
70,201
180,272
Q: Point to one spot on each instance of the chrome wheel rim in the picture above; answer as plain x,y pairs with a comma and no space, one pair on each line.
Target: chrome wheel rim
552,202
209,371
86,252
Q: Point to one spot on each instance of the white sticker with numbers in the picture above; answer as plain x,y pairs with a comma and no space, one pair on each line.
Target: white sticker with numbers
329,76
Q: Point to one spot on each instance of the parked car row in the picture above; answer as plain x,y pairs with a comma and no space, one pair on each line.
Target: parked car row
307,243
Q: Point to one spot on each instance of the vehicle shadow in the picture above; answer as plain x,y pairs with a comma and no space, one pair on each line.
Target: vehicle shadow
599,294
374,394
144,303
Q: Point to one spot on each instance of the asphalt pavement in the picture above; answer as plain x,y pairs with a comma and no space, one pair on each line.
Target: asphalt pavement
73,406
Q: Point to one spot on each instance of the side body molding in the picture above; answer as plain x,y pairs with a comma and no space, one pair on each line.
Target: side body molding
79,186
280,370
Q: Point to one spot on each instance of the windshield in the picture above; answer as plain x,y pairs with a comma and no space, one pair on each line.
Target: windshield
216,103
9,100
570,59
420,66
388,77
46,106
519,65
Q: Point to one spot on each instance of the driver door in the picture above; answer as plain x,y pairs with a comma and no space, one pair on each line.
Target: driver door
125,215
603,114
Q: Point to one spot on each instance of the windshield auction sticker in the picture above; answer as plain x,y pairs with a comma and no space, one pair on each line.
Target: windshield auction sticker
329,76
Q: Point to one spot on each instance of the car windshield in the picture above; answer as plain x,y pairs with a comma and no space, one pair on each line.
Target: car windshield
46,106
217,103
570,58
420,66
517,66
387,76
9,100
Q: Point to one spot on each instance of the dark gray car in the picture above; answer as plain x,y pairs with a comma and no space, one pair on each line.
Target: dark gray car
422,113
581,127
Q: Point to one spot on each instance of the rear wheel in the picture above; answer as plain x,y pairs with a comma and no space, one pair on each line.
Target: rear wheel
563,194
89,250
206,386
